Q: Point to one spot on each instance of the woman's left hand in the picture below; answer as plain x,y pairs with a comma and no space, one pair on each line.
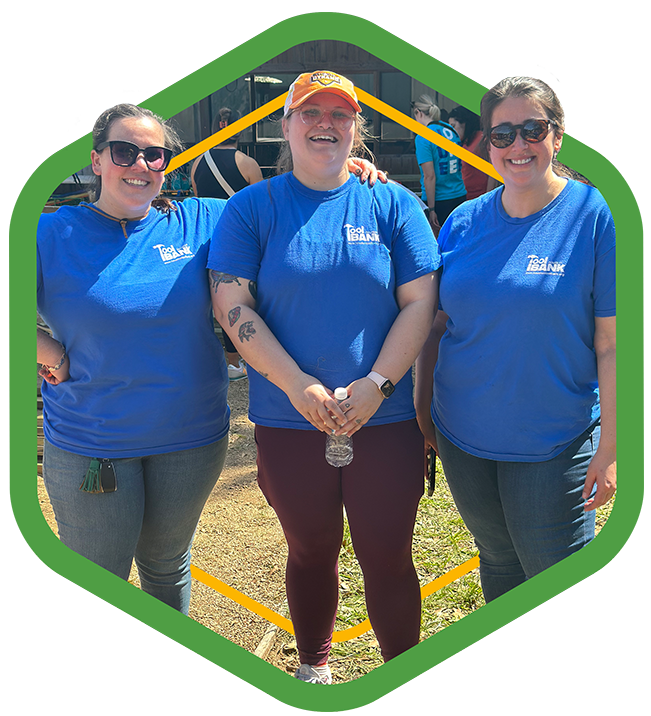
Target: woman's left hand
365,170
602,471
360,406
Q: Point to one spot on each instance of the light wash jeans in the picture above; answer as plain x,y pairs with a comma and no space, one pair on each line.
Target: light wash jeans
152,515
524,516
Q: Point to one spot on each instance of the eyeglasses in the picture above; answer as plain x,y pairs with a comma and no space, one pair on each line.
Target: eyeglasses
532,131
341,119
125,154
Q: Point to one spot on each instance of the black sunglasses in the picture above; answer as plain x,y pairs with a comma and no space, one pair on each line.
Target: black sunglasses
125,154
533,131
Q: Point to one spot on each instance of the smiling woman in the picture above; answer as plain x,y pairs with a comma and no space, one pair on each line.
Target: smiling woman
326,283
516,384
135,412
340,115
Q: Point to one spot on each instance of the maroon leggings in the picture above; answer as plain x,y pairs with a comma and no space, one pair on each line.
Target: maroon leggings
380,490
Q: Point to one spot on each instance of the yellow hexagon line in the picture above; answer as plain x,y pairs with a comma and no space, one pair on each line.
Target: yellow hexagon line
382,107
434,137
271,616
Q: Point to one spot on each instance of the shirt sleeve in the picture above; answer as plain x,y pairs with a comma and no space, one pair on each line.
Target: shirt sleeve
424,150
415,251
235,246
604,273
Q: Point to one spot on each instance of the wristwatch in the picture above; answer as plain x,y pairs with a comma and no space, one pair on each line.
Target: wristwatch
385,386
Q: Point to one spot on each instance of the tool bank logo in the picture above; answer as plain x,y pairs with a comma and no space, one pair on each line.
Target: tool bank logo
169,254
542,264
359,235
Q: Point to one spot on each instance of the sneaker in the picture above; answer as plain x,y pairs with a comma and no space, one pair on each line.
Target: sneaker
314,674
237,372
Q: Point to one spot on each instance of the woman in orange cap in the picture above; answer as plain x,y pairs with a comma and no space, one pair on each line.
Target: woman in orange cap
325,283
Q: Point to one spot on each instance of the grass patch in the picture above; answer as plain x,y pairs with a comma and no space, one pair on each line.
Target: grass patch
441,542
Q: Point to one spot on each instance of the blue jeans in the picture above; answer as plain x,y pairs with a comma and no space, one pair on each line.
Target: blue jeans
152,515
524,516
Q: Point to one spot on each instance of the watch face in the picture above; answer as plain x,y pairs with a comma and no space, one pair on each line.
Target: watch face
387,388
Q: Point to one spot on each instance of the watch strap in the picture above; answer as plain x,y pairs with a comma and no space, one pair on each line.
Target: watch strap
382,383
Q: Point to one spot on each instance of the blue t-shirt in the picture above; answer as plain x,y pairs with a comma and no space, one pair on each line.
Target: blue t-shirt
447,167
516,377
132,306
327,264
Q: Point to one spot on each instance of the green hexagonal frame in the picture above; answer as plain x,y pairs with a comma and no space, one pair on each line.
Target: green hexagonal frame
432,651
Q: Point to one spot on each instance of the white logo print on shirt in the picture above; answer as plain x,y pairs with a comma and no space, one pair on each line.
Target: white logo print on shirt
542,264
360,235
169,253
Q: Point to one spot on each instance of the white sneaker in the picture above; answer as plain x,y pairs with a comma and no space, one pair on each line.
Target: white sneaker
314,674
237,372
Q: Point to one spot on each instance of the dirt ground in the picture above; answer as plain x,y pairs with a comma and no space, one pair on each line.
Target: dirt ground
238,541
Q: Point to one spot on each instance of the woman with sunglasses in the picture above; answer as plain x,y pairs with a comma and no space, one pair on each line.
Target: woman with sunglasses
518,395
134,399
324,284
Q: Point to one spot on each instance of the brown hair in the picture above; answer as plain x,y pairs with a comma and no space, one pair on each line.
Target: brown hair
222,119
125,111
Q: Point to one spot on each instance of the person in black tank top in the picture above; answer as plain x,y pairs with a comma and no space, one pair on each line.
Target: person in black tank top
208,185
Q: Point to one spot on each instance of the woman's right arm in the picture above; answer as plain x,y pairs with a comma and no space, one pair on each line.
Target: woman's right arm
50,354
424,384
233,301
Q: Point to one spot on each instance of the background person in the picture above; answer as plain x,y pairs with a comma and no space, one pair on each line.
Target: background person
440,171
326,283
466,125
523,407
219,173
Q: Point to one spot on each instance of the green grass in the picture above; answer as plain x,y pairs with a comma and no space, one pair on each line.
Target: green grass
441,542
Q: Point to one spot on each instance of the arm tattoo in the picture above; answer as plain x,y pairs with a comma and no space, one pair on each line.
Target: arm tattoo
247,331
234,315
216,278
253,289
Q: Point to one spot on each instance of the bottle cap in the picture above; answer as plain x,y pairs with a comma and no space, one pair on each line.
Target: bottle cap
341,393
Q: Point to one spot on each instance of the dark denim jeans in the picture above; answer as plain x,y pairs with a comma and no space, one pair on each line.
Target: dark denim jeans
524,516
152,515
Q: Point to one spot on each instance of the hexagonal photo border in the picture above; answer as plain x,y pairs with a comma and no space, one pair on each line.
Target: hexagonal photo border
191,634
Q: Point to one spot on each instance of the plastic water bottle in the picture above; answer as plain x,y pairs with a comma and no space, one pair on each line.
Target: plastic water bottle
339,448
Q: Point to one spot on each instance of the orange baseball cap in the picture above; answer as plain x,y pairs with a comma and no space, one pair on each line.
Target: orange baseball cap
309,83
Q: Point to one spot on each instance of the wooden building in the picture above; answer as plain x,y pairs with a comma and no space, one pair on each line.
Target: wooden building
392,144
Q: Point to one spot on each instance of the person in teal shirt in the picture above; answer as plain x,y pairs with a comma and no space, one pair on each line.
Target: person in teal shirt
440,171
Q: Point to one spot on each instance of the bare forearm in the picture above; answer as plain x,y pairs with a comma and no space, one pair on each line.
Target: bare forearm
53,358
405,340
48,350
606,371
602,470
605,344
234,308
430,189
425,364
258,346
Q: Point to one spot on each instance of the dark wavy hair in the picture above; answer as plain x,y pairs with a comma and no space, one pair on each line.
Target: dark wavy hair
469,119
127,111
